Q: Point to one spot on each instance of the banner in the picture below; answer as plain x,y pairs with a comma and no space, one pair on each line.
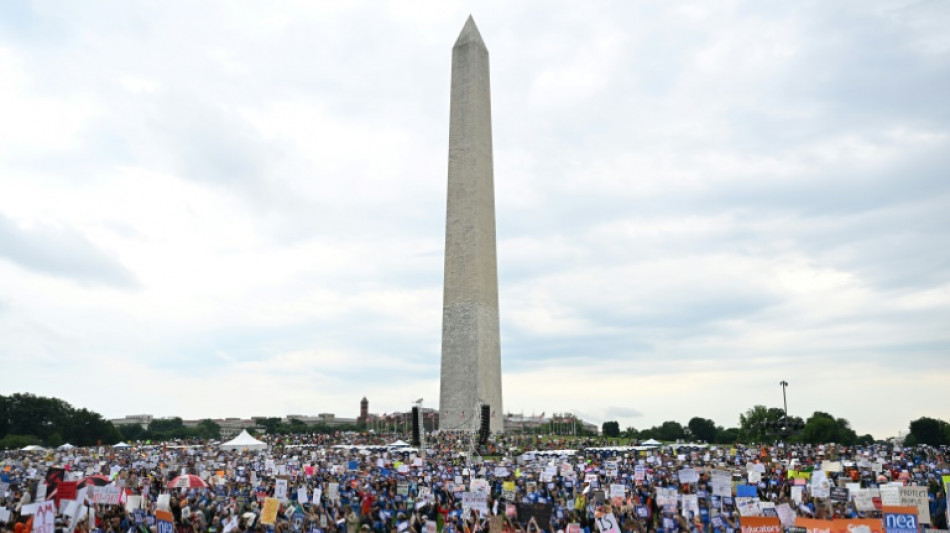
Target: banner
812,525
760,524
858,525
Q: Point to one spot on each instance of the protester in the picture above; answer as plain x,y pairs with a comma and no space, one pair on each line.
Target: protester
357,483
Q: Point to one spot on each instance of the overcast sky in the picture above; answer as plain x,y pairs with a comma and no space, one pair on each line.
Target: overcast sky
213,209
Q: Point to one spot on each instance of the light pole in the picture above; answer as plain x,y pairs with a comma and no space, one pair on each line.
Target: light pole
784,384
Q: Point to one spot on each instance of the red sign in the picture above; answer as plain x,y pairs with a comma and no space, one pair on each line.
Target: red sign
67,490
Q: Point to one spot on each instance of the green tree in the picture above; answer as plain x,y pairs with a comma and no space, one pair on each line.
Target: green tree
930,431
702,429
630,433
208,429
726,436
821,427
672,430
753,423
611,428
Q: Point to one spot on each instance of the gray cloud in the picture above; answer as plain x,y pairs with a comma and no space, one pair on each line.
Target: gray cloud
62,252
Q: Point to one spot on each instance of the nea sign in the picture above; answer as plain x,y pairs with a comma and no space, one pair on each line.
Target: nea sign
900,519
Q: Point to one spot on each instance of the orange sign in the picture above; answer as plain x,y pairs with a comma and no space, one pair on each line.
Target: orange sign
815,526
761,524
849,525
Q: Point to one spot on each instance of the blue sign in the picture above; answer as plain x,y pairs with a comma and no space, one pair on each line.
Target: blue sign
898,522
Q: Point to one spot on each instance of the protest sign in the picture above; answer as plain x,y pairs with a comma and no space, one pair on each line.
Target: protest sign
760,524
430,527
890,495
900,519
617,490
540,512
690,505
479,485
721,483
785,514
666,496
916,497
812,525
508,490
838,494
269,512
108,495
164,521
748,506
857,525
573,527
639,473
302,496
688,475
66,490
333,491
864,499
608,524
44,517
820,485
474,500
280,488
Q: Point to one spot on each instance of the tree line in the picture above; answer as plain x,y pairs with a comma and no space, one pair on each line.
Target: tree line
760,424
29,419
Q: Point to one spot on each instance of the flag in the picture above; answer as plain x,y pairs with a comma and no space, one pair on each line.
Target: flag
542,416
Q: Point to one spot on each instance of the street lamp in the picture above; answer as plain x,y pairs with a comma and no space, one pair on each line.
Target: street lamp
783,428
784,384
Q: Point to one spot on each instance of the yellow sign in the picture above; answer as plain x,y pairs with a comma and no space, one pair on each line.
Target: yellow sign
508,486
269,513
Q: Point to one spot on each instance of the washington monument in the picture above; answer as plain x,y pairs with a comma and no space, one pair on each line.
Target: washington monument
471,353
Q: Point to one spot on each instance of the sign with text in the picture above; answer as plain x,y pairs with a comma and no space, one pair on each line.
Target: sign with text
760,524
900,519
164,521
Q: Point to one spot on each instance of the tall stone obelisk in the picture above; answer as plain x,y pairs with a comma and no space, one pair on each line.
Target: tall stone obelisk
471,353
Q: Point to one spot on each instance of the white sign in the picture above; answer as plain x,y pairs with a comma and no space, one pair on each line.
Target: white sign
688,475
44,518
916,497
280,489
108,495
474,500
608,524
617,490
721,483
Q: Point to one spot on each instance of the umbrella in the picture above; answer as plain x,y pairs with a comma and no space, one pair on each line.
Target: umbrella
187,481
97,480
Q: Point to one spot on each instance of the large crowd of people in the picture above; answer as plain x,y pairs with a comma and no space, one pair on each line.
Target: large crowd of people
372,483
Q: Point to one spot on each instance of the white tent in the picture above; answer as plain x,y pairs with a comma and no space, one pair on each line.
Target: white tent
244,441
121,445
66,446
398,444
652,442
32,448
